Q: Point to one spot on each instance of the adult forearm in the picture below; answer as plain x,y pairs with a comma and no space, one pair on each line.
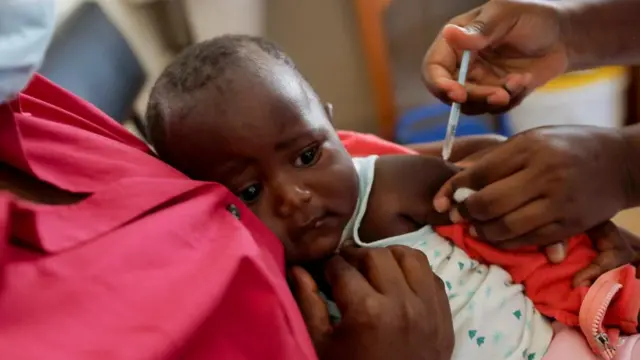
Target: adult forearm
631,138
601,32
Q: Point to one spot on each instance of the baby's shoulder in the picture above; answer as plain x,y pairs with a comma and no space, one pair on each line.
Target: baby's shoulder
401,196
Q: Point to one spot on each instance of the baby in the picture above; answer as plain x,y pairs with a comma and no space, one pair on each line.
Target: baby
235,110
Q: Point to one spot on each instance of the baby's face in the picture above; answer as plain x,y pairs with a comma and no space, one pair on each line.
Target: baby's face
275,148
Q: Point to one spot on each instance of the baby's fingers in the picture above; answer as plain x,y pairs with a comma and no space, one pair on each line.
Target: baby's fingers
606,261
587,276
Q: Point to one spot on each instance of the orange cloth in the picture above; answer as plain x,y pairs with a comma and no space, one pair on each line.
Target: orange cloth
548,285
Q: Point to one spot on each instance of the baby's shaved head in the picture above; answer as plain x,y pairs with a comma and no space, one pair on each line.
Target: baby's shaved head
212,65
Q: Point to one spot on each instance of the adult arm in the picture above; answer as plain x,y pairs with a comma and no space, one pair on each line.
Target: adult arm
601,32
631,165
518,46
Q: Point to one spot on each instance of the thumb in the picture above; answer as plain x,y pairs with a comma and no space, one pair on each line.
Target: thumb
557,252
487,28
312,306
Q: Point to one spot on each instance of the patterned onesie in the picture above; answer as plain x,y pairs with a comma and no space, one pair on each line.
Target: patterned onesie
492,318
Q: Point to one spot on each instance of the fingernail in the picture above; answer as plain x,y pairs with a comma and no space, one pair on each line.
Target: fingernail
472,29
441,204
556,253
512,87
509,89
455,217
473,232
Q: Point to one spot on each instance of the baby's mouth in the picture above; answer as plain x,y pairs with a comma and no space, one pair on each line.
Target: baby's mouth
314,223
321,225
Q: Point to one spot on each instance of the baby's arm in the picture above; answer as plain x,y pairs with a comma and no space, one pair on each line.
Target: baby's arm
401,195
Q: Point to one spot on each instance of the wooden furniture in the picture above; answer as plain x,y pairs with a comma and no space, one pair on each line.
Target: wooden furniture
370,13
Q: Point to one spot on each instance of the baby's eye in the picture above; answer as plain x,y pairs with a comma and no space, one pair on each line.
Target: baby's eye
308,157
250,194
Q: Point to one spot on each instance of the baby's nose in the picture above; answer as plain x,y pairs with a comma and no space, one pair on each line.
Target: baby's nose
292,199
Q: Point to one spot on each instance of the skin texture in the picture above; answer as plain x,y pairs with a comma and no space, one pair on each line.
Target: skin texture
516,47
519,45
283,184
393,210
616,246
392,306
467,149
395,206
280,154
370,286
543,186
601,32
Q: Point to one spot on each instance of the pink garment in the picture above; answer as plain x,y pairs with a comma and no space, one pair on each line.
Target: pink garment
569,343
150,266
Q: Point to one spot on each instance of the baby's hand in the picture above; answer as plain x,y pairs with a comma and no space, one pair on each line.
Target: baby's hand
616,247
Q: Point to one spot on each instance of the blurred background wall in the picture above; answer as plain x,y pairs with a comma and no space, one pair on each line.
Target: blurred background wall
321,36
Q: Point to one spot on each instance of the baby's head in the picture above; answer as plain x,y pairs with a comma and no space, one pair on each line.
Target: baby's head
236,111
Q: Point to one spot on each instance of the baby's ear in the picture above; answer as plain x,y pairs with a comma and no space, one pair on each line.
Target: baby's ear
328,108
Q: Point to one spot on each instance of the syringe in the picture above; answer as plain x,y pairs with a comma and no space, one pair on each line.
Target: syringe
454,115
